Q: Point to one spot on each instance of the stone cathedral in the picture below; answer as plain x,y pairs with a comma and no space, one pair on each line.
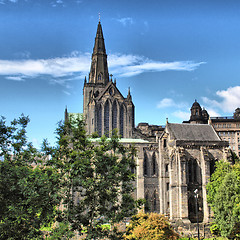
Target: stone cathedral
172,161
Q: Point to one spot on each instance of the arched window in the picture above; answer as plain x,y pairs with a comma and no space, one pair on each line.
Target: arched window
99,76
121,120
154,164
212,166
99,120
164,143
114,115
193,171
145,164
195,168
155,201
146,206
190,175
106,119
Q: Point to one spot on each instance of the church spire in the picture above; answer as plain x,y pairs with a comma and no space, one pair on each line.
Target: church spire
99,69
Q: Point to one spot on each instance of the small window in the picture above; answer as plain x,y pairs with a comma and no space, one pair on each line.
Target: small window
167,186
166,168
145,164
154,164
165,143
100,76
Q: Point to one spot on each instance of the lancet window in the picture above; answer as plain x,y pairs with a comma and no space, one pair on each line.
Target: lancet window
114,115
99,120
122,120
106,119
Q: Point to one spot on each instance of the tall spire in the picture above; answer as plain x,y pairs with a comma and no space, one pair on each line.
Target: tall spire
99,69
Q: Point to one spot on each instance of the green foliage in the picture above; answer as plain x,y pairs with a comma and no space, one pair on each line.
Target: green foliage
227,206
28,189
224,198
222,168
215,229
61,231
151,226
96,180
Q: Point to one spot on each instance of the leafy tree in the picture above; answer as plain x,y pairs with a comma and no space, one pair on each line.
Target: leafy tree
97,180
28,188
227,206
222,168
151,226
223,196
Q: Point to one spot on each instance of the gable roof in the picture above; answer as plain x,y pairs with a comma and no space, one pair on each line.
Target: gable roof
110,84
192,132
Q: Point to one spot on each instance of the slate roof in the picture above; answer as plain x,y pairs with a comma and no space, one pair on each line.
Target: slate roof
192,132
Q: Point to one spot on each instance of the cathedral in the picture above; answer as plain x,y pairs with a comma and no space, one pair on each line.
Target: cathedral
172,161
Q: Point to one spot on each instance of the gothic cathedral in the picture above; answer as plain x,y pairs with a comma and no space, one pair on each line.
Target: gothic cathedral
172,161
104,107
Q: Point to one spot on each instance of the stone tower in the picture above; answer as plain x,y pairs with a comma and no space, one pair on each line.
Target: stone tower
198,115
104,107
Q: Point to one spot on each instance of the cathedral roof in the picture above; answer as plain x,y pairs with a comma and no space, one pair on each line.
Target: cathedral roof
192,132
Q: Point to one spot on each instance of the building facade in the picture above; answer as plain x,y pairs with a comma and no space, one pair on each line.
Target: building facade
172,160
228,128
104,107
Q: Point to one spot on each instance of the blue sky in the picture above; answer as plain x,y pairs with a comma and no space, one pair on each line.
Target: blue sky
168,52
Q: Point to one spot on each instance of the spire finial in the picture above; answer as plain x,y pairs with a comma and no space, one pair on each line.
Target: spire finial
111,77
99,17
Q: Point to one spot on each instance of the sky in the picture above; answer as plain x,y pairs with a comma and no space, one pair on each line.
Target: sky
168,52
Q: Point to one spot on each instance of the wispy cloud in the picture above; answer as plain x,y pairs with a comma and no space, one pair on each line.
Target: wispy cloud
6,1
229,100
166,102
131,65
57,3
16,78
125,21
77,65
183,115
169,102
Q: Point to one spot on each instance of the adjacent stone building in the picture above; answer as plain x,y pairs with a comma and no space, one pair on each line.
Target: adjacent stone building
172,160
228,128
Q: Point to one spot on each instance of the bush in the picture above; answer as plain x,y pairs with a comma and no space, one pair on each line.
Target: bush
151,226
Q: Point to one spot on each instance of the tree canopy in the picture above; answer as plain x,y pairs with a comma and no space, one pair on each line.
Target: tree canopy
224,198
97,180
28,188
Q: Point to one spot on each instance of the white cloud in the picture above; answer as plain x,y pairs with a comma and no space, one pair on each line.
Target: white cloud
125,21
213,112
131,65
169,102
67,93
229,100
77,65
166,102
16,78
182,115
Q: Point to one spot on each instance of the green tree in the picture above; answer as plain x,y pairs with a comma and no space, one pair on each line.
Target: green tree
151,226
227,206
222,169
224,198
28,188
97,180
